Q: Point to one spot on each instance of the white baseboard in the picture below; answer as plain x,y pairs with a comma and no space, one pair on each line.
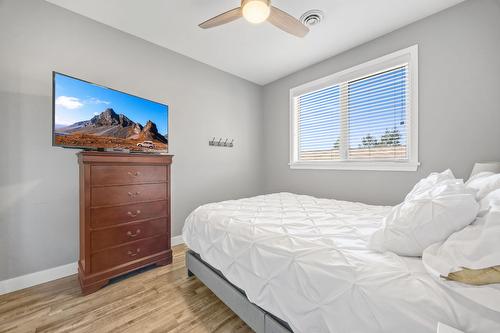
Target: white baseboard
32,279
177,240
51,274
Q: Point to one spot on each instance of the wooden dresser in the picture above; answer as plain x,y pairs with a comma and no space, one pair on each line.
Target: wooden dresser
124,215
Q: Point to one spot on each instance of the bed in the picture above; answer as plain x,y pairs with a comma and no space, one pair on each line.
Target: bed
287,262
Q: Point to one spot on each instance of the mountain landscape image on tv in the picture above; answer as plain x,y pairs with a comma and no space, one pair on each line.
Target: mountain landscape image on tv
90,116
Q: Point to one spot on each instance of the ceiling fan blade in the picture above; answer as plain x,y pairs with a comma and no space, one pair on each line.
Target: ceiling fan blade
287,23
223,18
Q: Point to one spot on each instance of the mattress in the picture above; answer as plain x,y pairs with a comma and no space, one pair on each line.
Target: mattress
306,261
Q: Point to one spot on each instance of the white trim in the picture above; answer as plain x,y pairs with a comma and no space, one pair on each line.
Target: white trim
177,240
51,274
350,165
33,279
409,57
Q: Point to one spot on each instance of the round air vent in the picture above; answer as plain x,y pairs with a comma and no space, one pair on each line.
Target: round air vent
312,17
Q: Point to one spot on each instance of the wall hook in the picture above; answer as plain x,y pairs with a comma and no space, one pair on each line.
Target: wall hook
221,143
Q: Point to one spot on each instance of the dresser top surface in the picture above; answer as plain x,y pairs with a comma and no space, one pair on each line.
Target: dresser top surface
118,157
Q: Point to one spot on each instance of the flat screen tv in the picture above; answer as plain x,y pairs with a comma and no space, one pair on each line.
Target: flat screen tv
89,116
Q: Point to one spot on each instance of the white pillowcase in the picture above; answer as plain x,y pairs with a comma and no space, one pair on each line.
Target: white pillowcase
427,183
484,183
486,203
479,175
426,217
475,247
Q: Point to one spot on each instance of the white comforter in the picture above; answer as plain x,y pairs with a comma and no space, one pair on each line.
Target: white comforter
306,261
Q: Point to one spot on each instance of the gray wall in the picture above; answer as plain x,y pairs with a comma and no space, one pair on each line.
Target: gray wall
459,119
459,106
39,183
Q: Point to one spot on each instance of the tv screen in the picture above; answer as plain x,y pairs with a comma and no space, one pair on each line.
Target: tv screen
90,116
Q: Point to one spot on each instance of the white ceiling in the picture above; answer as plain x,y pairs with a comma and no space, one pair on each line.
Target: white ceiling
259,53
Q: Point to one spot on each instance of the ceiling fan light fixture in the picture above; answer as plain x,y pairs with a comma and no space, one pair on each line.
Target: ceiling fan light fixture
256,11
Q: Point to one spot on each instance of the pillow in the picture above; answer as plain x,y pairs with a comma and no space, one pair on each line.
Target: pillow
476,277
426,217
479,175
475,247
484,183
428,182
487,201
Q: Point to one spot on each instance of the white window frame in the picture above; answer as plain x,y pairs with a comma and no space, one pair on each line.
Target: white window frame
399,58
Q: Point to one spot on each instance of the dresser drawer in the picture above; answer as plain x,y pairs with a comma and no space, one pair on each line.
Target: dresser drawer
102,239
113,257
101,217
115,195
127,174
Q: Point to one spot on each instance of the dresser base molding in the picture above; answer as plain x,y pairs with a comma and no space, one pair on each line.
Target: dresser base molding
93,282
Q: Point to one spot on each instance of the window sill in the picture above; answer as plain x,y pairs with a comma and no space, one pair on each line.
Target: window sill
351,165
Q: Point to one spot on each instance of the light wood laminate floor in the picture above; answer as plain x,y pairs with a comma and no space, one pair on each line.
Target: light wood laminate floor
162,299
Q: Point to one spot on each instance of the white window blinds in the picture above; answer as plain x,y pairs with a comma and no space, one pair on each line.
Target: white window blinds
319,124
363,119
377,116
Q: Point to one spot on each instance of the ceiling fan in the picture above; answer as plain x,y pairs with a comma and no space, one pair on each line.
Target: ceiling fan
258,11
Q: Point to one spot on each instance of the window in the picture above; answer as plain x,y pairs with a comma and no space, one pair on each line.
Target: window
363,118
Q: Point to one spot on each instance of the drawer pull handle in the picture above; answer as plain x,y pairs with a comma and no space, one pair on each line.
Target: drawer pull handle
133,194
137,212
134,174
133,254
137,232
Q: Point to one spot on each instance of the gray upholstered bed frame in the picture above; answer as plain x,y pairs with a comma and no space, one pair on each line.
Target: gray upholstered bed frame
259,320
